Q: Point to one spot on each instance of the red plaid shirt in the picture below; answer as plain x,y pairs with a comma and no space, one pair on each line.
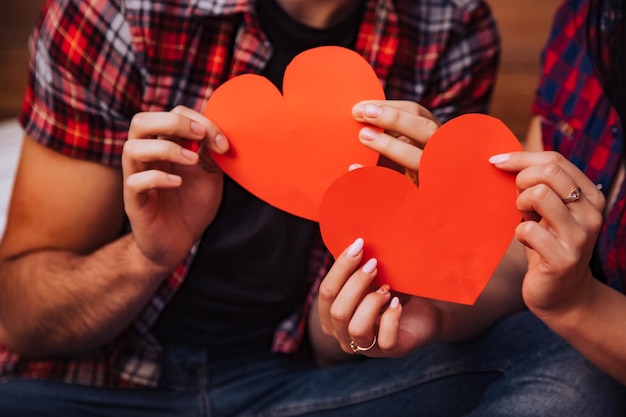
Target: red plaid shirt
95,63
579,121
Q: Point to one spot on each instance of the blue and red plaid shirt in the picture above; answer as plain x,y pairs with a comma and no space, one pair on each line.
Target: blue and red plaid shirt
96,63
579,122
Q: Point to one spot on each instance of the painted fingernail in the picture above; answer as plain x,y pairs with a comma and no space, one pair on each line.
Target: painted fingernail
370,266
395,303
384,289
372,110
499,159
368,134
355,248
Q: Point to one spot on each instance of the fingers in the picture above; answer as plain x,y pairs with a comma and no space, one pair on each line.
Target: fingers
180,123
563,231
139,154
404,118
545,180
371,322
348,308
407,127
348,299
156,138
552,167
362,325
334,281
399,150
215,139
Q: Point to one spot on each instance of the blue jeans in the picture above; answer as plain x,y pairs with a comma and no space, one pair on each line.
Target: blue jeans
517,368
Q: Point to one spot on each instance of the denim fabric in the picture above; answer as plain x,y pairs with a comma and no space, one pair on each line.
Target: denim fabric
517,368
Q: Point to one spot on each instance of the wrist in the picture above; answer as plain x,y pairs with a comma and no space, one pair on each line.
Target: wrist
570,319
150,267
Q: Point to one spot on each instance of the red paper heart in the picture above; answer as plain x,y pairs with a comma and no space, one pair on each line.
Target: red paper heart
288,149
444,239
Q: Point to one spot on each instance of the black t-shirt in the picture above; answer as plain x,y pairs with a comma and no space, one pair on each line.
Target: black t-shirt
250,270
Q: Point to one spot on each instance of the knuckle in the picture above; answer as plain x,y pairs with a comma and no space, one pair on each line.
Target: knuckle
551,170
357,331
553,157
595,220
540,192
326,293
129,147
339,314
139,119
430,126
597,199
391,116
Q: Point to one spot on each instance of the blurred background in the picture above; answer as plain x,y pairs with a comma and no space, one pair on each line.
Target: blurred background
523,25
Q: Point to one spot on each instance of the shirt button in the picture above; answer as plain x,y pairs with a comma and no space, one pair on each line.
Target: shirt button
614,130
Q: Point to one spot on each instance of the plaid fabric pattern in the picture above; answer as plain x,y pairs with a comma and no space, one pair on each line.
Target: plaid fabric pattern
579,122
96,63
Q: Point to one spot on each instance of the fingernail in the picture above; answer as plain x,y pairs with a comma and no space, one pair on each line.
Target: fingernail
191,155
174,178
198,128
357,110
372,110
368,134
395,303
370,266
384,289
499,159
355,247
221,143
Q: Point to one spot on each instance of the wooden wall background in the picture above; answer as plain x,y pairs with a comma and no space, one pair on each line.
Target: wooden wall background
523,24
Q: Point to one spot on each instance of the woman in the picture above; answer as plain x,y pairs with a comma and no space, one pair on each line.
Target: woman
566,255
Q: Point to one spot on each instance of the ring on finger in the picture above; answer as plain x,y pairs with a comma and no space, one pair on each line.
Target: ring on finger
356,348
574,195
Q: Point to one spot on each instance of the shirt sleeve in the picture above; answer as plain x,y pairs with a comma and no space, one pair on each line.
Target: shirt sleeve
83,87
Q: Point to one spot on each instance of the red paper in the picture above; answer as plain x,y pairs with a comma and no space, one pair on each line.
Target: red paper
445,239
288,149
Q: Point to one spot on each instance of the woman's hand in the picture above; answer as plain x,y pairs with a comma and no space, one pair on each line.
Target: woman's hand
171,194
371,321
407,127
563,216
363,319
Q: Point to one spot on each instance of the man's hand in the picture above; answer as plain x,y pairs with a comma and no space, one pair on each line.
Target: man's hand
171,194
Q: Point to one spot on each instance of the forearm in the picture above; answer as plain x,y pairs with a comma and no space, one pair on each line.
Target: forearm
56,303
595,327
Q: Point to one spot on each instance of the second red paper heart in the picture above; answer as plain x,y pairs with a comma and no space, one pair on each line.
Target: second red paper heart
444,239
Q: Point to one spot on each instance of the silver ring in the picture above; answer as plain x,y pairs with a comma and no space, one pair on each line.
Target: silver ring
573,195
356,348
